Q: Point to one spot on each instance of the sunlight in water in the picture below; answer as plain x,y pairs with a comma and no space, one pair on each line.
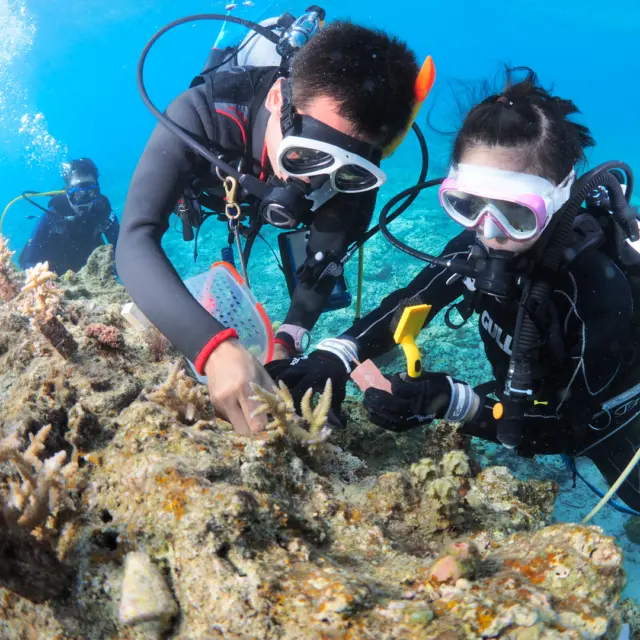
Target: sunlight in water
39,147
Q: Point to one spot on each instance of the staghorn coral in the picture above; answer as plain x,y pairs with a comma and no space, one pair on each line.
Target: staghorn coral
182,395
42,305
8,286
104,335
311,428
44,485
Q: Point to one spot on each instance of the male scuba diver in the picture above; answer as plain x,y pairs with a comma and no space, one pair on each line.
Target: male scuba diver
546,262
74,224
304,139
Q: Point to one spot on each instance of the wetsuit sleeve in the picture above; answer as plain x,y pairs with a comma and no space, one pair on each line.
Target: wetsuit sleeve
162,173
335,226
597,335
374,332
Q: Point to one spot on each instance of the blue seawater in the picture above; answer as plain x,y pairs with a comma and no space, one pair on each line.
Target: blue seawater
68,89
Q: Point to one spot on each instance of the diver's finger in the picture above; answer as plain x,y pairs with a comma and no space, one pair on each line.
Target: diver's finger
237,417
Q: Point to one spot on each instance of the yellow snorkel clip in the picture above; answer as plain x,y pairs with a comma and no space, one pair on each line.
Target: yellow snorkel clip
424,84
410,325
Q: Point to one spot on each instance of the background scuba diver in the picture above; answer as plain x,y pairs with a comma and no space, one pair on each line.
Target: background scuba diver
74,223
512,170
353,91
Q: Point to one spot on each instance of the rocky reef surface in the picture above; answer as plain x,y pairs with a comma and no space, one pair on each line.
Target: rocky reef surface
129,511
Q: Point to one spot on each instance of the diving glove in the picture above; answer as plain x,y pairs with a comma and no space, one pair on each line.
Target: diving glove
312,372
418,401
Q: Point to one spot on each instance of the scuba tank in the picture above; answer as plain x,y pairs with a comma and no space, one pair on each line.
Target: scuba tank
255,50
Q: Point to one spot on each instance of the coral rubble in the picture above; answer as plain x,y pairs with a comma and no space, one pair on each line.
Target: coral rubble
167,524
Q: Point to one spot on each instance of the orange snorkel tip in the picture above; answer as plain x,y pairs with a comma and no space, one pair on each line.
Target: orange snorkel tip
423,85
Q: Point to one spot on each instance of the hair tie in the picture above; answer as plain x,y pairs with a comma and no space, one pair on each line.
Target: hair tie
504,100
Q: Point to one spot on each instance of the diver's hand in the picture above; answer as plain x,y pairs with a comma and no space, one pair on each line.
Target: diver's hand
312,372
418,401
230,370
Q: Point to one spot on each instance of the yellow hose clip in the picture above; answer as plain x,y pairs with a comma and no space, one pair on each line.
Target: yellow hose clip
232,208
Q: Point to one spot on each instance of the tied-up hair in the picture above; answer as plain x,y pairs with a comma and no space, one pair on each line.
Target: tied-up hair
532,122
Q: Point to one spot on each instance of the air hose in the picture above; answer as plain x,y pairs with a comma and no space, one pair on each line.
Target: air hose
25,196
527,339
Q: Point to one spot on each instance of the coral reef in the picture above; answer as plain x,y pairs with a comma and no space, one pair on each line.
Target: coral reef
182,529
44,485
8,281
42,306
109,337
183,396
311,428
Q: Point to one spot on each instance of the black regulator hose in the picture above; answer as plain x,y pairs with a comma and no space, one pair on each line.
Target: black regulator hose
457,266
522,374
250,183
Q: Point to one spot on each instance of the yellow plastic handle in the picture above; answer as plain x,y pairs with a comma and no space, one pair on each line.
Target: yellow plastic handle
410,325
412,354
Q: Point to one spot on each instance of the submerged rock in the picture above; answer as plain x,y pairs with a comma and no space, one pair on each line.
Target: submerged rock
146,600
261,537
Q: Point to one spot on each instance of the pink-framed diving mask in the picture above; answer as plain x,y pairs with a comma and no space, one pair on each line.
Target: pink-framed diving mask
505,203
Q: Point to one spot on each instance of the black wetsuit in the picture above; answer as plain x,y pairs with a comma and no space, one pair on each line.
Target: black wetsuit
228,116
595,309
66,239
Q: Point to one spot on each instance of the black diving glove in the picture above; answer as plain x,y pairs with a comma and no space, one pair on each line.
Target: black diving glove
414,402
312,372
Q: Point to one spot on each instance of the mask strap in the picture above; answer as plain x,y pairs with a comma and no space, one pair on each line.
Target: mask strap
288,112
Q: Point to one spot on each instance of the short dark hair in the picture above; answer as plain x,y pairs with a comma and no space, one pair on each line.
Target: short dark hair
83,166
368,72
527,118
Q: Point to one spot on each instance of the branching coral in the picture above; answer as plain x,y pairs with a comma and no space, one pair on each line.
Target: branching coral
42,306
44,485
311,428
8,288
182,395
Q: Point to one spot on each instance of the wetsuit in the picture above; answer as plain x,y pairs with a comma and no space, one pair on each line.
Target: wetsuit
594,361
66,239
226,113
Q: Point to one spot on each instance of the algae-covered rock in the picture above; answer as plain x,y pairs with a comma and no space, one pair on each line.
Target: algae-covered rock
264,537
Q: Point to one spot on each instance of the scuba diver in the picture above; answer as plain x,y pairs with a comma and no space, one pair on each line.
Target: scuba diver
546,261
75,223
304,138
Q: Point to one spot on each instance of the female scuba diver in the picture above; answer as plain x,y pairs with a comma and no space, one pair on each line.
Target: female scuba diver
551,281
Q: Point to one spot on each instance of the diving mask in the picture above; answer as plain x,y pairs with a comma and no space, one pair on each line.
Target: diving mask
310,148
83,194
520,205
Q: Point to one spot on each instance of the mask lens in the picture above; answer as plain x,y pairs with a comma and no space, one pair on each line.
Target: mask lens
354,178
466,205
83,195
520,218
300,161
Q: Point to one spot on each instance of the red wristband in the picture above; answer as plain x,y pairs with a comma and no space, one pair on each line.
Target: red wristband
291,350
211,346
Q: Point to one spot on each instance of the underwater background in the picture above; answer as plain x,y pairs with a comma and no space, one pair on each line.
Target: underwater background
68,89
